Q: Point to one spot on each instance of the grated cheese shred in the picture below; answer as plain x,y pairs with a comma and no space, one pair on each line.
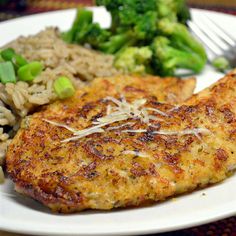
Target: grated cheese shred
136,153
195,131
120,126
60,125
123,111
157,111
175,108
134,131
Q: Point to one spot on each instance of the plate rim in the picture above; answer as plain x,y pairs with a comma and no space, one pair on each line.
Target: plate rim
20,229
123,232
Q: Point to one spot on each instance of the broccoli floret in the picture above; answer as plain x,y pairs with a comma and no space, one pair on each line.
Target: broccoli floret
84,31
166,58
174,10
183,13
127,12
109,4
135,24
94,36
134,60
132,10
142,16
117,42
136,15
146,27
141,6
167,9
179,32
82,22
113,7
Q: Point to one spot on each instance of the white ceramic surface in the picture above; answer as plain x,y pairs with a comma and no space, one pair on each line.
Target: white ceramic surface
19,214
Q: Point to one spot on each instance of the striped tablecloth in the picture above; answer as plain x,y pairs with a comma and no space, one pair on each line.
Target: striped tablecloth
225,227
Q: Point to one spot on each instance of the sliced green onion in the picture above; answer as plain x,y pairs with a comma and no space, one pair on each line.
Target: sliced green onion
7,72
8,54
29,71
63,87
19,61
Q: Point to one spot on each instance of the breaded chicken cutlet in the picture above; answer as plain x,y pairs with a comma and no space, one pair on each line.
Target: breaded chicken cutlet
112,146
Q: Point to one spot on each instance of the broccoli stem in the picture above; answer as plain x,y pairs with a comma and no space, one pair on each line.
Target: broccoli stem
184,60
83,19
117,42
181,32
169,58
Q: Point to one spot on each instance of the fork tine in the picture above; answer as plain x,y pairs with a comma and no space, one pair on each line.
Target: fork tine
215,38
204,38
204,26
220,31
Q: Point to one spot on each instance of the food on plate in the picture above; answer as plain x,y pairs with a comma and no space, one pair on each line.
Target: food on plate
60,58
40,69
21,93
115,145
170,89
20,99
14,67
144,36
221,64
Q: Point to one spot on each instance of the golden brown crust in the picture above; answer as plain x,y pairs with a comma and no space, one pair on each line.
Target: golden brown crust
116,169
171,90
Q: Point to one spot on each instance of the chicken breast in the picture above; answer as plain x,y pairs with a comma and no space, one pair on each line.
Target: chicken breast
115,145
171,90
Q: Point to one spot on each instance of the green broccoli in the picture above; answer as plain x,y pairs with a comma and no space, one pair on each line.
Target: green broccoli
117,42
127,13
109,4
132,10
183,13
167,9
134,60
113,7
174,10
83,20
221,64
84,30
179,32
146,26
94,36
167,58
145,36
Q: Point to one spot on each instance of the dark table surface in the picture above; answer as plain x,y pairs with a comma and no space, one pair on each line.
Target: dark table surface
15,9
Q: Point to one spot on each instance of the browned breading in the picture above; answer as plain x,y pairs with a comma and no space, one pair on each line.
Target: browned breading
189,146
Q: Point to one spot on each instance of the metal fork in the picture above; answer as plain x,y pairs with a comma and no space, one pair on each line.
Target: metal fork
217,41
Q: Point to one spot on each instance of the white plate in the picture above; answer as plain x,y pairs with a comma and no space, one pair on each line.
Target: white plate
24,215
